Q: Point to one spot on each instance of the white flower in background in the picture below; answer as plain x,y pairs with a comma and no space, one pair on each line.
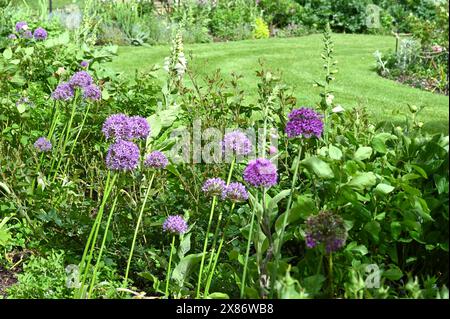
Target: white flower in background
176,64
338,109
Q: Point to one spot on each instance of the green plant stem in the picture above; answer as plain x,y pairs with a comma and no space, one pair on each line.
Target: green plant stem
105,235
216,256
66,138
247,253
219,219
289,203
205,245
172,249
90,245
288,208
136,230
76,138
330,273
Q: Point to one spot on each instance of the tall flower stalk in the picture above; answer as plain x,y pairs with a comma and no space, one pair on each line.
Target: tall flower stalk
175,225
260,173
92,239
136,230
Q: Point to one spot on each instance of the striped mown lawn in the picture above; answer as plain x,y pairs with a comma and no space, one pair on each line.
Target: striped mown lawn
299,61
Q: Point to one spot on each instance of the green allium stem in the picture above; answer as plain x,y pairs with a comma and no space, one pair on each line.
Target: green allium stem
205,245
66,138
216,232
105,235
216,256
90,245
247,253
288,209
136,230
76,138
172,249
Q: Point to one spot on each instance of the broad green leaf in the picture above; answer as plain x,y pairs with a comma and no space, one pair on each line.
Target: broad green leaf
185,246
7,54
362,153
21,108
29,50
218,295
318,167
313,284
396,229
384,188
276,199
362,180
301,208
379,142
393,273
184,267
373,228
334,152
105,94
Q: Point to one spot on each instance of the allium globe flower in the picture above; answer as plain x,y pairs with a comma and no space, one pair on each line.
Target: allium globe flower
63,92
326,228
139,127
175,225
116,127
238,142
235,192
304,122
21,26
84,64
122,156
40,34
80,79
214,186
42,144
12,36
27,34
92,92
156,159
261,172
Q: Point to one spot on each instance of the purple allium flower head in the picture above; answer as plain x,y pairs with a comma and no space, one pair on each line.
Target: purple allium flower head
80,79
235,192
304,122
156,159
116,127
40,34
27,34
139,127
214,186
84,64
238,142
21,26
92,92
326,228
261,172
175,225
122,156
63,92
42,145
12,36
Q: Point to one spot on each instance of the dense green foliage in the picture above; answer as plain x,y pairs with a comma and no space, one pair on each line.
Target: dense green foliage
387,182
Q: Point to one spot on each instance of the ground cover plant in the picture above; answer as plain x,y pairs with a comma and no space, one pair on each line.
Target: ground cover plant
173,182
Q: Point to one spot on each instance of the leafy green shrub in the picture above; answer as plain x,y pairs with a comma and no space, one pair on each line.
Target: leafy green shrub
261,30
43,277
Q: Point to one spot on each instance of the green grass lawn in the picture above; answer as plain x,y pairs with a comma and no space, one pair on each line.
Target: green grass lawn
34,4
299,61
